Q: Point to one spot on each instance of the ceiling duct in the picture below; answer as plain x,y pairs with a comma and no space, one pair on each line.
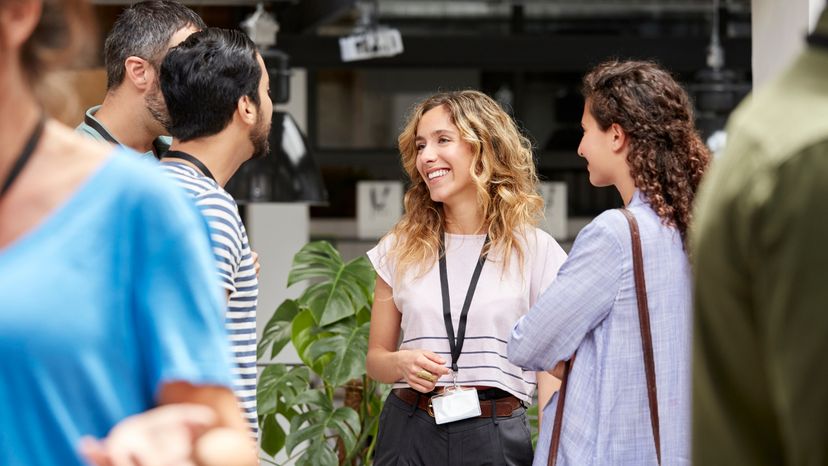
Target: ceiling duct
546,8
306,15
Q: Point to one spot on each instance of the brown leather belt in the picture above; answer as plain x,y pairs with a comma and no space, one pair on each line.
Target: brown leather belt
503,406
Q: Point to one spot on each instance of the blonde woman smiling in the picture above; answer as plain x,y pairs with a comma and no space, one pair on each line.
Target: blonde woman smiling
460,268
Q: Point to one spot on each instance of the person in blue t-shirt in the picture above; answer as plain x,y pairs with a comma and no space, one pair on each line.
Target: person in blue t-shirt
111,318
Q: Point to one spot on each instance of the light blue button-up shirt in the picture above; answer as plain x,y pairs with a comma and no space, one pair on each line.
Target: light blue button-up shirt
591,308
161,144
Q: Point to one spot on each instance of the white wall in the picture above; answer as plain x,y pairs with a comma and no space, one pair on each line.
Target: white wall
779,28
815,9
277,231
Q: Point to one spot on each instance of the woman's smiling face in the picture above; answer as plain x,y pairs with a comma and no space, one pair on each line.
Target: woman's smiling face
443,158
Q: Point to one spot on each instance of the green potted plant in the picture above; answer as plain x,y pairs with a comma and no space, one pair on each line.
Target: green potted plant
328,326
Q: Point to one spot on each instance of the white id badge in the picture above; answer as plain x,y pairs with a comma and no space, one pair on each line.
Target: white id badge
455,404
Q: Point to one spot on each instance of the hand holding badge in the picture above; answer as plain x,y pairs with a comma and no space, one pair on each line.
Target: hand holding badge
455,403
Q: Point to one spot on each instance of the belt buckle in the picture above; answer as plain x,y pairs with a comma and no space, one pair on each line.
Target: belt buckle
430,408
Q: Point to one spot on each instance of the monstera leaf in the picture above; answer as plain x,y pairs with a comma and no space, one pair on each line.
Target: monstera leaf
279,384
273,436
339,289
277,388
315,426
325,456
304,332
328,326
278,329
347,347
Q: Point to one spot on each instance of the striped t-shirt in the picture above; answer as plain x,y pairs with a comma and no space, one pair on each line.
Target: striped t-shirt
237,272
499,301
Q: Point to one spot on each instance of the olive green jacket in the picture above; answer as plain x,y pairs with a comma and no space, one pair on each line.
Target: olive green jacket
760,252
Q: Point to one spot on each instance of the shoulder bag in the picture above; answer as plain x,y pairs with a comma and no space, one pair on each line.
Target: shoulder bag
646,343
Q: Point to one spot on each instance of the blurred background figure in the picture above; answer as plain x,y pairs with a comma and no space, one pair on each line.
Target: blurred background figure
109,304
760,380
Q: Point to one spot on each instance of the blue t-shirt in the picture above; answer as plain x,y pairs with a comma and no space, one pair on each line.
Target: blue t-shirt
111,296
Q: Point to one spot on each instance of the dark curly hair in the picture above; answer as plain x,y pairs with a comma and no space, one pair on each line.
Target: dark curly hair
667,158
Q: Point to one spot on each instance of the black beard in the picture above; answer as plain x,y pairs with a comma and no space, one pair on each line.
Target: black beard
260,138
154,101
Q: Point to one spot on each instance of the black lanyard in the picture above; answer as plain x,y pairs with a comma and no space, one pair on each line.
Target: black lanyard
24,156
177,154
93,123
457,347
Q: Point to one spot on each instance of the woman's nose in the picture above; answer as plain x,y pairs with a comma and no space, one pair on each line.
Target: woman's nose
427,154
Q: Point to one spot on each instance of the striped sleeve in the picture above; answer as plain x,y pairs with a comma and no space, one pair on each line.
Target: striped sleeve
236,267
241,325
221,214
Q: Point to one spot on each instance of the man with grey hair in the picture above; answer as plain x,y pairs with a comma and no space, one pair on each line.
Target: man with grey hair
133,113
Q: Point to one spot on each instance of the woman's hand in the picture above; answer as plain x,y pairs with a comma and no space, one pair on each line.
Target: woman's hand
161,436
180,434
384,362
421,369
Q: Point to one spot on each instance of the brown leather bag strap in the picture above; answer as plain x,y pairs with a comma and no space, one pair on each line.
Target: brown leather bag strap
559,409
646,343
644,322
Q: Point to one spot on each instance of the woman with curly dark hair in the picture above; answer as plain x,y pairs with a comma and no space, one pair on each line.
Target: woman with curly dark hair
625,404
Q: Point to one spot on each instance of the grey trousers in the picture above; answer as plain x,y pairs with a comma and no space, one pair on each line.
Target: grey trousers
408,436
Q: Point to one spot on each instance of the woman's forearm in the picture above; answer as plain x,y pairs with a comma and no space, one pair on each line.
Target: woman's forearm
382,366
547,385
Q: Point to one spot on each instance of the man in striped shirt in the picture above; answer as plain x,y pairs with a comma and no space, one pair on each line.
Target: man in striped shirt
216,88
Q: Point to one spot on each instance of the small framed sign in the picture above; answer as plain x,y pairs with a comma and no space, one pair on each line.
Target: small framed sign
554,199
379,207
376,43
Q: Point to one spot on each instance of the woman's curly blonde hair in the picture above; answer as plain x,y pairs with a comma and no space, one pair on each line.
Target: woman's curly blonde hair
667,158
64,36
502,169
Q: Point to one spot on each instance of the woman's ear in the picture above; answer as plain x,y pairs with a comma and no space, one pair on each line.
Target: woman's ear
18,21
619,137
